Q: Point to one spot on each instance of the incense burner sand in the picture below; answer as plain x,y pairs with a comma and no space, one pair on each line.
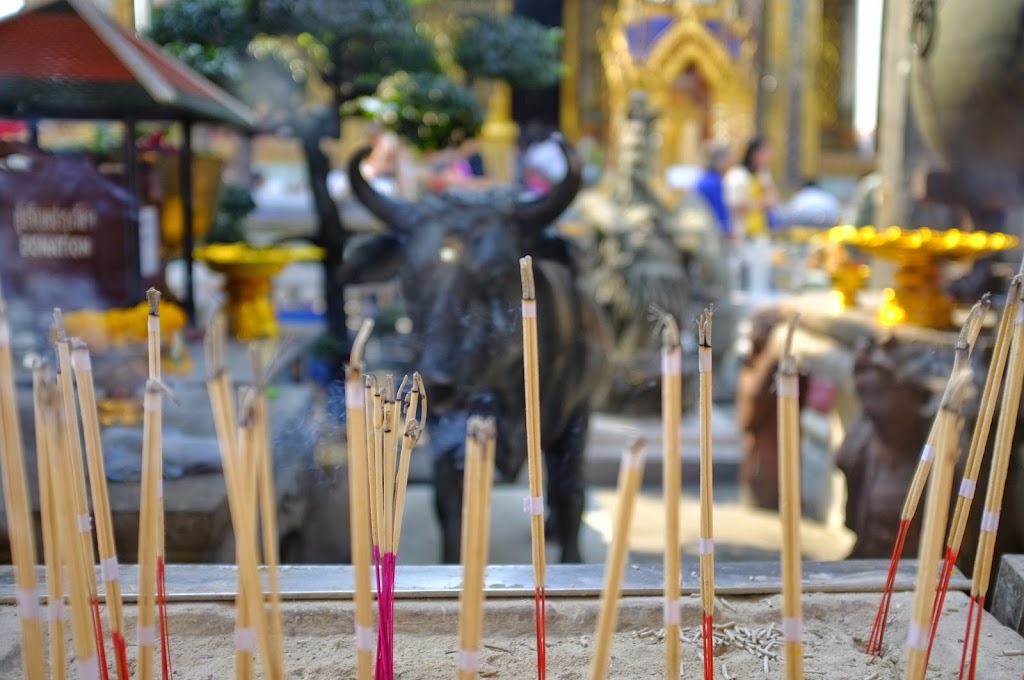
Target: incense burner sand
318,640
839,606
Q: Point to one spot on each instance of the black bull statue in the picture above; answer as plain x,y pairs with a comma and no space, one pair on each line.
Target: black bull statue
456,256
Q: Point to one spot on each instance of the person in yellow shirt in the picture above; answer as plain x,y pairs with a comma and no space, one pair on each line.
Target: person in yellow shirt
750,195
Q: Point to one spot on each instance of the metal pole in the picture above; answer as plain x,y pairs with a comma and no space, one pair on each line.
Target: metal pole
188,244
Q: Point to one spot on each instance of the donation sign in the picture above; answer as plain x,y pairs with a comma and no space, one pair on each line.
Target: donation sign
64,232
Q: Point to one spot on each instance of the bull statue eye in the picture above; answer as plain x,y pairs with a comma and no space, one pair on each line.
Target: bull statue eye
450,251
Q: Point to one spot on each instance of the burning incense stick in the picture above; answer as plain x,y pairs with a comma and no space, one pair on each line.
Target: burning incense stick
359,503
476,513
979,441
631,473
42,381
788,390
534,505
1001,454
19,512
936,514
707,523
82,363
148,528
962,352
80,572
79,495
671,421
153,339
267,499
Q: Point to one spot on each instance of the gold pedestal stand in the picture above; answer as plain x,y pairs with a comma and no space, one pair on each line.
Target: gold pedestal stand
916,297
249,272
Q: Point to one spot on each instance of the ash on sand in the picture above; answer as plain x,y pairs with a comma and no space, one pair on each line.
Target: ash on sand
318,643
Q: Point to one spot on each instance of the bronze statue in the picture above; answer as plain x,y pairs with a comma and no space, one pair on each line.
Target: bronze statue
897,389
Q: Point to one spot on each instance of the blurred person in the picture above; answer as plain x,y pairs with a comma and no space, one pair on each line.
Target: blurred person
811,206
381,166
544,164
750,195
461,167
711,186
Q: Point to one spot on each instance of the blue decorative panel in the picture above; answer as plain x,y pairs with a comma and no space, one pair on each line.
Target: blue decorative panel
643,35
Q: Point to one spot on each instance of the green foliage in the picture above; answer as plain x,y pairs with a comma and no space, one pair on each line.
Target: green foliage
221,65
236,203
213,23
428,110
520,51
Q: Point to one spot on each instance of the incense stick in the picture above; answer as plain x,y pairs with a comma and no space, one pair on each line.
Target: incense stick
671,421
707,524
153,354
82,363
42,381
148,540
1002,451
17,504
479,466
962,352
631,473
267,500
936,514
79,495
359,503
979,441
79,571
788,390
534,504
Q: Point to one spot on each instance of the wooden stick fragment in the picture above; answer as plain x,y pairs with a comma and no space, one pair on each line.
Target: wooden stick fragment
631,473
79,496
1001,454
148,528
788,389
962,352
936,514
534,504
479,466
41,382
79,571
17,504
82,363
671,421
975,455
707,523
267,502
153,342
359,503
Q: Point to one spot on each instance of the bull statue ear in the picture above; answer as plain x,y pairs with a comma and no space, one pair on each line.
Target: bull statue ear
370,258
392,212
535,215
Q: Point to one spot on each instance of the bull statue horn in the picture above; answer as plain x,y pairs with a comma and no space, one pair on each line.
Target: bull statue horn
539,212
387,209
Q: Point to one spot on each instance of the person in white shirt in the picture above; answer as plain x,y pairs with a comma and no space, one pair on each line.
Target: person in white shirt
750,194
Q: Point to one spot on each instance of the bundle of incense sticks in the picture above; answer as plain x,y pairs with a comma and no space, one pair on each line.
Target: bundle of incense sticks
19,511
671,421
82,363
388,480
965,344
788,392
476,523
359,502
936,514
631,473
976,453
237,437
707,524
57,461
42,381
534,504
77,492
994,494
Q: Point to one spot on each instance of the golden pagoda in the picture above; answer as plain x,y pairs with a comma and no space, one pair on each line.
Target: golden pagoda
694,61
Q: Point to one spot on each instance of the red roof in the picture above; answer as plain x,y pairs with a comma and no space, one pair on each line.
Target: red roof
68,58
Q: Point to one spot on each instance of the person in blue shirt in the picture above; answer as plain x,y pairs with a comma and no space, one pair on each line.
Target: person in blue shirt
710,186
